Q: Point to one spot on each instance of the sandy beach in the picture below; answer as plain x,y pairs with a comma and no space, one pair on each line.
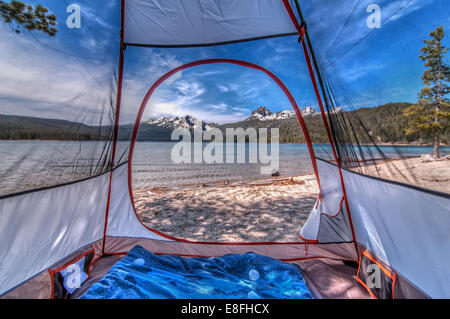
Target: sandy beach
432,175
263,210
273,209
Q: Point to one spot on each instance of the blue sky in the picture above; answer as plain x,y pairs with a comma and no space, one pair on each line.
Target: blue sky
69,76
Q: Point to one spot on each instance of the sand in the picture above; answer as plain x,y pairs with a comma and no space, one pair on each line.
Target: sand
273,209
432,175
264,210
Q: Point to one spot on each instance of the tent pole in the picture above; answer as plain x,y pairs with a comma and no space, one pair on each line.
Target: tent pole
116,118
318,74
302,32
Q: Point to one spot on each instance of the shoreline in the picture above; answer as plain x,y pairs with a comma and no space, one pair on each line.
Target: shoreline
253,210
412,144
260,209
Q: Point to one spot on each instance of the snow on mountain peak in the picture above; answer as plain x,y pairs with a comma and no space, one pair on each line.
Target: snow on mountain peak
263,114
188,122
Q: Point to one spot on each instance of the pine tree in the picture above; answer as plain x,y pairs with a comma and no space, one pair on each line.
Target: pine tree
20,15
431,114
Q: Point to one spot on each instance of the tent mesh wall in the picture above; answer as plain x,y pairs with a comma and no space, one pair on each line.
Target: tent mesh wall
79,86
362,66
57,99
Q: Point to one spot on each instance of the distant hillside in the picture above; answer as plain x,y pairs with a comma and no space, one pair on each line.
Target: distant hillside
385,124
286,121
14,127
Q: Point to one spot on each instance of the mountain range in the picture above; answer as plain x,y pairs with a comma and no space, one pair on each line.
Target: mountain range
383,124
187,121
262,113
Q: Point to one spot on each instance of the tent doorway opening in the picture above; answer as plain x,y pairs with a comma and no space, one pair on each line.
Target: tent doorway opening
239,180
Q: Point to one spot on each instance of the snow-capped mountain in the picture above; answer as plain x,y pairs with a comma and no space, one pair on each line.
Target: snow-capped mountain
337,109
309,111
188,122
263,114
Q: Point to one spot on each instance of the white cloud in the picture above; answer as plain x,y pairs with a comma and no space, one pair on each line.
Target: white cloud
176,99
39,81
219,107
93,16
137,82
395,12
361,70
94,44
174,77
207,73
350,28
181,94
223,88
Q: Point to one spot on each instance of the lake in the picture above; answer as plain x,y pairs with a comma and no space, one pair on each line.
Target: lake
31,164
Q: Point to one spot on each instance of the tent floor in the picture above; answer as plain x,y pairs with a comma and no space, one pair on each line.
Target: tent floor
332,279
98,271
325,278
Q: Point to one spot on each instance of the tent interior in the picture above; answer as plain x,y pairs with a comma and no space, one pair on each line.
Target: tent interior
89,187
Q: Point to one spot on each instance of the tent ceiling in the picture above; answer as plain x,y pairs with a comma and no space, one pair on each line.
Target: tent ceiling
203,22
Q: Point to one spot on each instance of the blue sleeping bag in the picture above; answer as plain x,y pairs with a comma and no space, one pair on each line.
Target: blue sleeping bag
141,274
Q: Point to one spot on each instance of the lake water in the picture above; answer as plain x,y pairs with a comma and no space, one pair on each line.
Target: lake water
32,164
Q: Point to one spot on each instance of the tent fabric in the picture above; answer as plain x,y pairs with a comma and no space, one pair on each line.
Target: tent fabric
38,229
38,287
387,278
122,220
355,65
335,228
389,220
330,204
42,285
404,227
319,273
58,98
282,251
177,23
